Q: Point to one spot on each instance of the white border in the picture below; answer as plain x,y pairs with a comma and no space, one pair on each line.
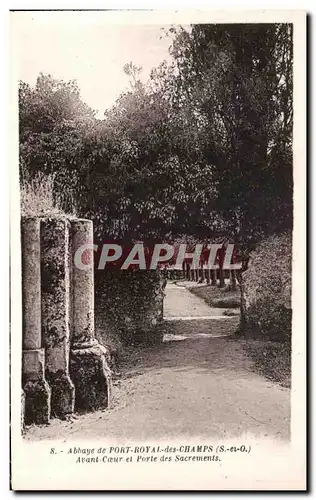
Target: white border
300,252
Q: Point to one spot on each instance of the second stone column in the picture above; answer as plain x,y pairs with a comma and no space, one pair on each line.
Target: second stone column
55,287
88,361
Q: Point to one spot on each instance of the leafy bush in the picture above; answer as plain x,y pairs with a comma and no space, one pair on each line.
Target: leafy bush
267,288
271,359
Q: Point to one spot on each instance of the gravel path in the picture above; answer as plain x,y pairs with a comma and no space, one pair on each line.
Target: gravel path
198,383
181,303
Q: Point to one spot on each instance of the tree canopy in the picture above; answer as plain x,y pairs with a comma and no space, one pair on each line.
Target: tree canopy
205,147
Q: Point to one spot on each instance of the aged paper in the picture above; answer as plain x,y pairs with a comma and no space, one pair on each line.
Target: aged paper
188,409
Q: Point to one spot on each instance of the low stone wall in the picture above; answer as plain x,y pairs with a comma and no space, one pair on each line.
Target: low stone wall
64,368
131,303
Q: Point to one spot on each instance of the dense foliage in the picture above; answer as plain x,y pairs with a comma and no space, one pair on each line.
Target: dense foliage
268,288
239,81
203,148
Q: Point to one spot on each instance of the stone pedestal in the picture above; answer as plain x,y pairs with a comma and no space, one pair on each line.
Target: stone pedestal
91,376
37,392
88,361
56,313
36,404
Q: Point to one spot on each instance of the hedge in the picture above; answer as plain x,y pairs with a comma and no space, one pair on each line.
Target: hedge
267,288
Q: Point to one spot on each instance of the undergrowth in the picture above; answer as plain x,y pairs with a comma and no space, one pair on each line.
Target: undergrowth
39,197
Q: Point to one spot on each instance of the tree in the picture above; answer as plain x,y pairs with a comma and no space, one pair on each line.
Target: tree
203,149
158,188
238,79
52,123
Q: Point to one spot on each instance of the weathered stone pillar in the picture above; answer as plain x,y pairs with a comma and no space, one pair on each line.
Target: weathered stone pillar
187,271
213,277
202,273
55,313
221,277
232,279
208,275
36,390
88,364
191,273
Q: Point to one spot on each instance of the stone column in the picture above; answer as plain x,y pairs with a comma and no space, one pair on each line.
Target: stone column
191,273
208,275
55,313
202,273
213,277
187,272
36,403
221,278
88,362
196,273
232,279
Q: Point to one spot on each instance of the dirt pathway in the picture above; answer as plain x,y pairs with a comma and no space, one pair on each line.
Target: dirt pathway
198,383
180,303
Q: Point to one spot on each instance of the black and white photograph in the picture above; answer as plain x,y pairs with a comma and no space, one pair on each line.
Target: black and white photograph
158,195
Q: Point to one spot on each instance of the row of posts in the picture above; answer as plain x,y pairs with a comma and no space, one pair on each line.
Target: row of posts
64,368
203,274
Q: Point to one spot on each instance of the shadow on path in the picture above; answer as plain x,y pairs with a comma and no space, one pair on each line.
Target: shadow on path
197,388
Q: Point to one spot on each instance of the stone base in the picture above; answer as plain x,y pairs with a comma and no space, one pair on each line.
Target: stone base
63,394
37,402
91,376
36,390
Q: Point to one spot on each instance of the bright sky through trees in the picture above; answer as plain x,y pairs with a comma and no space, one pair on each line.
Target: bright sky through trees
87,50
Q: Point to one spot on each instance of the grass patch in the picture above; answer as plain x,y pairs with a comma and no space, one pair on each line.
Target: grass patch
39,198
217,297
231,312
271,359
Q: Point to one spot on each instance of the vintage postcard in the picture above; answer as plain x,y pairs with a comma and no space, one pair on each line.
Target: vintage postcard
158,329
